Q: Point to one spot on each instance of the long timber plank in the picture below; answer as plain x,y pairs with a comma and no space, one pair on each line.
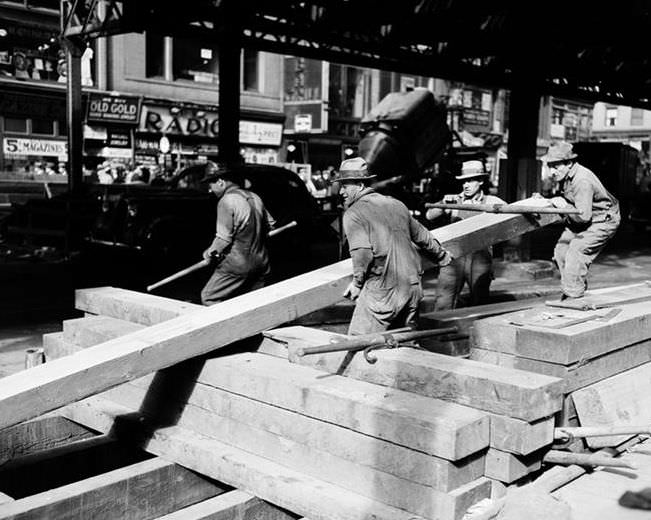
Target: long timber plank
286,488
621,400
40,434
233,505
315,434
438,428
580,374
138,492
278,446
484,386
136,307
106,365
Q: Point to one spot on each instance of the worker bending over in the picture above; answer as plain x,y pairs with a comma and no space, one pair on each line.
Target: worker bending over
387,270
587,232
239,250
475,268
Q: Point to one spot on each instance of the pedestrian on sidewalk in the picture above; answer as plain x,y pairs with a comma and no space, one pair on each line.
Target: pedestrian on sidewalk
238,251
587,232
475,269
387,270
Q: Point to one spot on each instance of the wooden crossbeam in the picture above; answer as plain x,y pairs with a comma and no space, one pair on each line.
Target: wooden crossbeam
144,490
284,487
98,368
233,505
522,395
40,434
312,448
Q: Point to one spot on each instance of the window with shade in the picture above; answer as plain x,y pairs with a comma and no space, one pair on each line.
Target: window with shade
611,116
637,117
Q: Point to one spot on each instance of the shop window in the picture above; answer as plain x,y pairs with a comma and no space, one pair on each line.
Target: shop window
30,53
637,117
62,127
155,55
195,61
250,70
15,124
43,126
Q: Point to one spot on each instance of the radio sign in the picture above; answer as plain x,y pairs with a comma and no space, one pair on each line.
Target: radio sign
113,109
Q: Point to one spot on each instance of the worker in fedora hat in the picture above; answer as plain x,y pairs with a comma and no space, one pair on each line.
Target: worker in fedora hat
238,249
387,270
587,232
476,268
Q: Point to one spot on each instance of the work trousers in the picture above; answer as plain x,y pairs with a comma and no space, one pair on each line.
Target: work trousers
575,252
223,285
379,309
475,269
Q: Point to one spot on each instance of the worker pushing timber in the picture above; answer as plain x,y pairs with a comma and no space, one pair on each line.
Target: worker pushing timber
387,269
475,268
587,232
238,250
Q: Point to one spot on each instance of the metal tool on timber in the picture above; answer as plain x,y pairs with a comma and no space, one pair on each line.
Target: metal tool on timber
503,208
584,459
570,433
206,262
370,342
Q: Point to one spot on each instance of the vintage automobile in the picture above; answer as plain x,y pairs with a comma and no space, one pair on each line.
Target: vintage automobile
153,231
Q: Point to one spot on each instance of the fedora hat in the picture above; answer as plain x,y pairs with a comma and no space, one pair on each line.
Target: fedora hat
471,169
560,151
354,169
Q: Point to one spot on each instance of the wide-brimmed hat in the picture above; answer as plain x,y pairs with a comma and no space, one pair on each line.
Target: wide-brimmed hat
354,169
472,169
560,151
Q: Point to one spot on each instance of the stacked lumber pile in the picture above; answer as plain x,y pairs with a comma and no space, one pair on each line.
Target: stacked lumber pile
365,447
520,404
586,356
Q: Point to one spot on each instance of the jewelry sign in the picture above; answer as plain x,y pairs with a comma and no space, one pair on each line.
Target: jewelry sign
113,109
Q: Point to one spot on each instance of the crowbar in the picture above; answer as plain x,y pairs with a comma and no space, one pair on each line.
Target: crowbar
206,262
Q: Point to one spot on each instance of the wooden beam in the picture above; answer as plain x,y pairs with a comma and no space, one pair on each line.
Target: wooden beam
232,505
507,467
568,345
55,467
455,431
522,395
347,444
520,437
144,490
98,368
136,307
577,375
93,330
621,400
286,488
267,432
40,434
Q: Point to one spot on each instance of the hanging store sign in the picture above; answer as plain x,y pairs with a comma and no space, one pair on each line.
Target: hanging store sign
36,147
268,134
118,139
113,109
192,122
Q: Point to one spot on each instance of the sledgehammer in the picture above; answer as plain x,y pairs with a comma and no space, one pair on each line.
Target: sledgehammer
206,262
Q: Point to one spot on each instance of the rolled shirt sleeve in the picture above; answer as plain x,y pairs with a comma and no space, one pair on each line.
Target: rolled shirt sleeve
584,193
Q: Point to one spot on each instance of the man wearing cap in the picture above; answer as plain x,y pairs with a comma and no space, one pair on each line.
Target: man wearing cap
475,268
381,235
238,250
587,232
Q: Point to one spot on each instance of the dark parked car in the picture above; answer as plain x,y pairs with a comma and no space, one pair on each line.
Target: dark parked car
149,232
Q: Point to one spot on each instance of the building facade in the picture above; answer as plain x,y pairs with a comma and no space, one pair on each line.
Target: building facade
147,98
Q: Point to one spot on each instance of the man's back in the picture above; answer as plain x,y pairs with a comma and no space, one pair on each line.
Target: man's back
383,224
